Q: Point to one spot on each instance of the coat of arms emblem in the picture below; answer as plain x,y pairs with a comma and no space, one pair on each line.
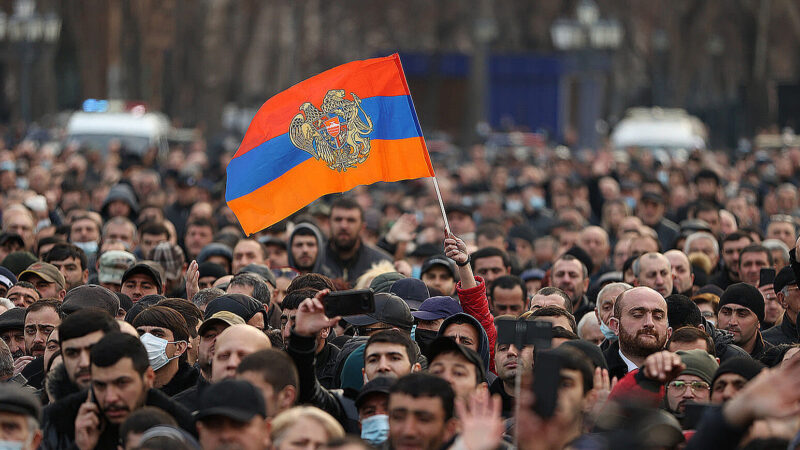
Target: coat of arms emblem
337,133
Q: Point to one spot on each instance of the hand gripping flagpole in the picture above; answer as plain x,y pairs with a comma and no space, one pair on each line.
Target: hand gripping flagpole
441,205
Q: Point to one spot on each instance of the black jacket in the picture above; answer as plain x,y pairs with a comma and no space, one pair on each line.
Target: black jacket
350,270
616,366
185,378
497,387
190,398
57,384
325,365
714,431
58,430
337,403
760,348
785,333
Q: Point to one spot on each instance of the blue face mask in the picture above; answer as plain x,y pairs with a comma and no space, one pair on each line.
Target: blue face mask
416,272
536,202
514,206
375,429
90,248
631,202
607,332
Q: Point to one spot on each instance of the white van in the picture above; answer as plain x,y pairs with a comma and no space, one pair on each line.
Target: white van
136,131
669,129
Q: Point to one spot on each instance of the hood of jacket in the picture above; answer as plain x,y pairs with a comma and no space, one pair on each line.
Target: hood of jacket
321,244
124,193
483,339
58,385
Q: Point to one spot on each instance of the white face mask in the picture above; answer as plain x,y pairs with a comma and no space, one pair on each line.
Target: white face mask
157,350
11,445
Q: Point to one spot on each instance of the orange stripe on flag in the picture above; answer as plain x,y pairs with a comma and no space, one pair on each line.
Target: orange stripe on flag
391,160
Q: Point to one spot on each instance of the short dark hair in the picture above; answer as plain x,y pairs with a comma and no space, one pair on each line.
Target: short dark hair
393,337
568,257
418,385
689,334
562,333
756,248
143,419
154,228
201,222
294,298
682,312
275,366
509,282
254,280
85,321
571,358
552,290
190,313
45,303
264,250
164,317
111,348
348,441
62,251
47,241
555,311
488,252
735,236
492,230
26,285
702,206
347,203
312,280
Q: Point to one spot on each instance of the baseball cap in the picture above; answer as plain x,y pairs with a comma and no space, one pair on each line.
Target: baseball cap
13,319
225,317
144,268
651,196
90,296
412,291
443,344
7,278
15,399
45,271
532,274
389,309
436,308
784,278
18,261
439,260
384,281
380,385
242,305
234,399
113,264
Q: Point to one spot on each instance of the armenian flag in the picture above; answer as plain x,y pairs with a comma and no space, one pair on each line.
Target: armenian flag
352,125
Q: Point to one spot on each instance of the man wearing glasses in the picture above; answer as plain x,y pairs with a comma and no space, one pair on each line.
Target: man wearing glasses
785,288
682,377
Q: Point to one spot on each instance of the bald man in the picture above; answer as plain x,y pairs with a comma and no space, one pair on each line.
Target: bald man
232,345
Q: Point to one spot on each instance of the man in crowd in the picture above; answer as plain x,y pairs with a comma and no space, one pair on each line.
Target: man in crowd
306,249
71,261
654,271
421,413
682,276
550,296
785,287
604,310
141,279
571,276
347,256
741,309
233,414
508,295
231,346
732,246
20,415
248,251
439,273
752,259
640,322
47,280
274,374
490,263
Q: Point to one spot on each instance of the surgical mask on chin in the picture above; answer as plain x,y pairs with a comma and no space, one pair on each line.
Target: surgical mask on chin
90,248
375,429
513,206
416,272
607,332
536,202
156,350
12,445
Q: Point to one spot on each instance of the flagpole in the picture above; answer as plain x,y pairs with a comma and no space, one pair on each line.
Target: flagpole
441,204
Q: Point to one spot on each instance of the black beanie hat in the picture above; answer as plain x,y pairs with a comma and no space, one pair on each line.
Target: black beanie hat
740,365
745,295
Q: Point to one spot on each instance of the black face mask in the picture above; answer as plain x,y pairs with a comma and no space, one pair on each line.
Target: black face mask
424,339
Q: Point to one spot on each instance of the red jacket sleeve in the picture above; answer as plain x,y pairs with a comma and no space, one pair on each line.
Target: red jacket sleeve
474,302
634,385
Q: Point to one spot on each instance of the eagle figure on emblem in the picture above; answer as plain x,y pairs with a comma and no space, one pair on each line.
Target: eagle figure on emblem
337,134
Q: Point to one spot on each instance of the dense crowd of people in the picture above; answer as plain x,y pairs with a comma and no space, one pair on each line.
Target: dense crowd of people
572,299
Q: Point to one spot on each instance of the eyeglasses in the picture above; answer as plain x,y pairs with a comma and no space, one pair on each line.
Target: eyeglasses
285,272
680,386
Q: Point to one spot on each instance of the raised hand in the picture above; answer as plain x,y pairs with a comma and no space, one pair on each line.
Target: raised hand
403,229
455,249
310,318
663,366
481,421
88,426
192,280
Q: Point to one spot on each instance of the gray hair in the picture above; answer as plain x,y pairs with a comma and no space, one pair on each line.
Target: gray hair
612,286
6,362
204,296
254,280
700,235
775,244
584,320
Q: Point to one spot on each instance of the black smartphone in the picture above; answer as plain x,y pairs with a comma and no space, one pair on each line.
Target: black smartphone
693,413
523,333
349,303
766,276
546,379
100,415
